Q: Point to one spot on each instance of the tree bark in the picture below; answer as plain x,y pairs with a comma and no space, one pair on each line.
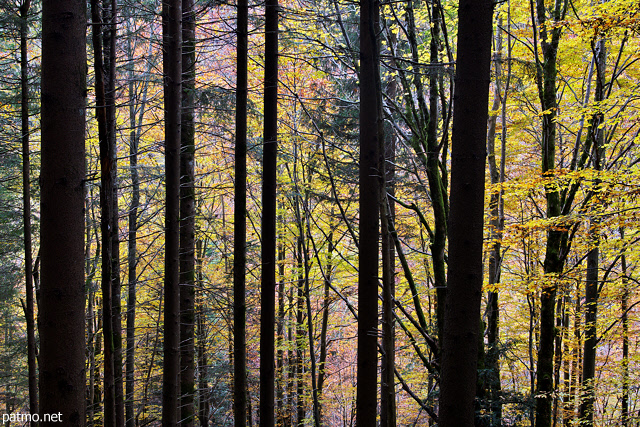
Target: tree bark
369,195
269,168
555,252
187,217
240,223
464,287
624,306
26,208
106,212
591,284
62,297
172,66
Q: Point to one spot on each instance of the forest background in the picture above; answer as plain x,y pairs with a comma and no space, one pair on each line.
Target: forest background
559,324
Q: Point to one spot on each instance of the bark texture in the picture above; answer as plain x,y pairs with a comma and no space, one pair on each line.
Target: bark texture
464,286
62,339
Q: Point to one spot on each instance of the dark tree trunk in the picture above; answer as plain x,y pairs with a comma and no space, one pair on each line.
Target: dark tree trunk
187,217
172,66
268,281
492,385
26,208
132,274
280,337
556,239
109,32
240,224
387,211
299,346
464,287
106,212
624,306
592,285
62,297
369,195
325,318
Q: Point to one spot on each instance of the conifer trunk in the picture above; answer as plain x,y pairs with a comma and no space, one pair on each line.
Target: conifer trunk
172,66
26,208
464,286
240,224
187,217
62,297
269,168
369,195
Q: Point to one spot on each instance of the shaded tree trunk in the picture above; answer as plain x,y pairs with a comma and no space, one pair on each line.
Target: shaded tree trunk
62,297
187,216
203,386
240,223
369,196
464,287
269,169
109,34
106,212
172,66
624,306
596,134
26,208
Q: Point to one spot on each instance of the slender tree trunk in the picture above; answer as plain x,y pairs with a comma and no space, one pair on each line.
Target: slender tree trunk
325,317
106,212
172,66
280,380
203,386
240,224
555,253
132,274
387,364
624,306
269,169
300,330
369,195
596,134
62,297
496,224
26,208
110,11
187,217
464,287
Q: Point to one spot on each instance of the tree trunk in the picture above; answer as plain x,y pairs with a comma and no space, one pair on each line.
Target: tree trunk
106,212
240,224
269,168
299,346
496,224
203,386
172,66
26,208
555,253
464,287
369,195
62,297
187,217
109,32
387,364
624,306
596,134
